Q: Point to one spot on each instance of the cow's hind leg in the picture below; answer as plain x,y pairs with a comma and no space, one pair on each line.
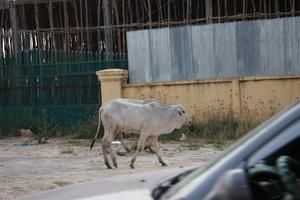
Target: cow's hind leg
112,155
112,132
156,149
140,147
105,147
108,136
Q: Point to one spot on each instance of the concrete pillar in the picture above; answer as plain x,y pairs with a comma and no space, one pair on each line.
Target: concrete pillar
112,81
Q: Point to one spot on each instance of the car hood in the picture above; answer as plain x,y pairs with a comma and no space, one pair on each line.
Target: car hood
130,194
133,186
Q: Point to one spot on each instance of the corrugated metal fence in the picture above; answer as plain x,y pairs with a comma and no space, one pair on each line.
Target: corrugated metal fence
237,49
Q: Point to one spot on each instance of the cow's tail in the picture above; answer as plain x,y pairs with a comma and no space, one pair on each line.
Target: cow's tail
98,128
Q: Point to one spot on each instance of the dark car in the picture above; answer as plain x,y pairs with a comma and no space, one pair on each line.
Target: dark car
264,164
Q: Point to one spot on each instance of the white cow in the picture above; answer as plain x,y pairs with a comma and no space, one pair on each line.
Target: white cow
120,134
149,120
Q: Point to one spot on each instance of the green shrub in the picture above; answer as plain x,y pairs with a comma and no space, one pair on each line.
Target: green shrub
215,127
86,130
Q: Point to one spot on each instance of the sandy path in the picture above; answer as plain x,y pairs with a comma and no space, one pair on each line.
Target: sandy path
34,168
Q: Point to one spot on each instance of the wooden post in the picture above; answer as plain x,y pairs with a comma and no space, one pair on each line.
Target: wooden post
149,14
77,24
117,22
244,8
87,25
37,27
81,24
219,11
98,24
66,26
208,10
50,11
14,27
169,12
293,7
108,30
276,7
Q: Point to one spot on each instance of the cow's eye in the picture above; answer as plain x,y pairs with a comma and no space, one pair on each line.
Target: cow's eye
183,111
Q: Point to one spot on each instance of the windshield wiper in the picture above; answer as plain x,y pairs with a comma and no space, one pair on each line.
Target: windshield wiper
162,188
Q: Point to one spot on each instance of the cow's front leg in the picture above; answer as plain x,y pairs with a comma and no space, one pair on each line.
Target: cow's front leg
122,141
140,147
155,146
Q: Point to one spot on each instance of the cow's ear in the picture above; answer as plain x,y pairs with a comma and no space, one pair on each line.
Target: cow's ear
179,112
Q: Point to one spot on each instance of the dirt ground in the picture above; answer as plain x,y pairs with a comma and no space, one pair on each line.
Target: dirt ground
30,168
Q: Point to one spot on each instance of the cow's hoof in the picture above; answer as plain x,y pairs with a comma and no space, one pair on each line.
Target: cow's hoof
108,166
131,166
116,165
164,164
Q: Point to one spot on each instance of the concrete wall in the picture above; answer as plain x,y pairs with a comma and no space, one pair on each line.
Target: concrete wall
258,97
247,97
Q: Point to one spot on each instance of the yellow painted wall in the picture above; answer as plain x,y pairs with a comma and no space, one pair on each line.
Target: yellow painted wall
267,95
258,97
195,96
254,97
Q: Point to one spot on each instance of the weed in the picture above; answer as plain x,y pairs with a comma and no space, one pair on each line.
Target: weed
61,183
86,130
192,146
67,150
219,146
78,142
133,147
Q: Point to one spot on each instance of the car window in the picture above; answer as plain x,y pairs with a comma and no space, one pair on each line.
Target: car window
284,140
273,171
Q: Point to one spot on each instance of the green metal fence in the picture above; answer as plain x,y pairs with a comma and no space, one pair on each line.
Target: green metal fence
52,80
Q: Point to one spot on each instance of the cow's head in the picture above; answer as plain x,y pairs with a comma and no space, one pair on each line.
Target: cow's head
181,116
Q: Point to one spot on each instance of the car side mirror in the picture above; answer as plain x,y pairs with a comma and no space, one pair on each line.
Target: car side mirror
233,185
